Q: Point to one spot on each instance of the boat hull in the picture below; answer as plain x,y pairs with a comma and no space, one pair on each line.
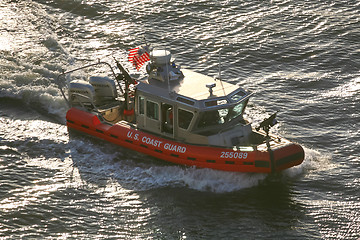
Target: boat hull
285,154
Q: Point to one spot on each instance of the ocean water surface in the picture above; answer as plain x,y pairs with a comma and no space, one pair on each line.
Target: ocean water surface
299,58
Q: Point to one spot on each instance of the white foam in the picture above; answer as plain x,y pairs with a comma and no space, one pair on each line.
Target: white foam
345,90
220,181
314,161
91,163
138,175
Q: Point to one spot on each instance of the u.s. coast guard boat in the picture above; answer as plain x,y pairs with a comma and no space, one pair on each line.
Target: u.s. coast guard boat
176,115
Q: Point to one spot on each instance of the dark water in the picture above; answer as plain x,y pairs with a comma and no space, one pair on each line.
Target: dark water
299,57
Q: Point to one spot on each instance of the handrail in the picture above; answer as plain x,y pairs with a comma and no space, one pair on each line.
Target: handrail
58,82
76,95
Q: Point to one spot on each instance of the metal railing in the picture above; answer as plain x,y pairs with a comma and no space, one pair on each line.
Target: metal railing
60,83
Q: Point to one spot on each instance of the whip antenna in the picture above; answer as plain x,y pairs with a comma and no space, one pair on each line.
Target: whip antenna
219,74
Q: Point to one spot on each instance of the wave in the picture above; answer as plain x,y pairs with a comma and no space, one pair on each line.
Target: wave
90,161
315,160
30,64
33,57
29,67
348,89
100,162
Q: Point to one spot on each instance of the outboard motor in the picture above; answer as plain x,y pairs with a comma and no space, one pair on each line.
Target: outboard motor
81,93
105,89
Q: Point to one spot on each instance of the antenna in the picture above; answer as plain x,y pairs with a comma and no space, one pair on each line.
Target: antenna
220,65
167,72
219,74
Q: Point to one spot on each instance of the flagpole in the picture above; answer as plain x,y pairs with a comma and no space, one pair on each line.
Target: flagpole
145,40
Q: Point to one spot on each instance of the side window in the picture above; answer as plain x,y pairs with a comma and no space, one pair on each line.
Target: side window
141,105
185,118
152,110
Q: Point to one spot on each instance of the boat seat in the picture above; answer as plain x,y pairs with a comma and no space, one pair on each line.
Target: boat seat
112,112
109,105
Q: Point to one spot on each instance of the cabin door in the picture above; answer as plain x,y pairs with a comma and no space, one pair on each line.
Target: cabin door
152,116
167,118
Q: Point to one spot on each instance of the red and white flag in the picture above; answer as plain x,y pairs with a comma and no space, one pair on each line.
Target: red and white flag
138,56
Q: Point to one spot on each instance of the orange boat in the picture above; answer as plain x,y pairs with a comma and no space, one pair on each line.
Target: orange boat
177,115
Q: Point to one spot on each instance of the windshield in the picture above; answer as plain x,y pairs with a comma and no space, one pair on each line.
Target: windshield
221,116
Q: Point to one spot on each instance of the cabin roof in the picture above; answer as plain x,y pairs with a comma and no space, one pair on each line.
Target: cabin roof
192,85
